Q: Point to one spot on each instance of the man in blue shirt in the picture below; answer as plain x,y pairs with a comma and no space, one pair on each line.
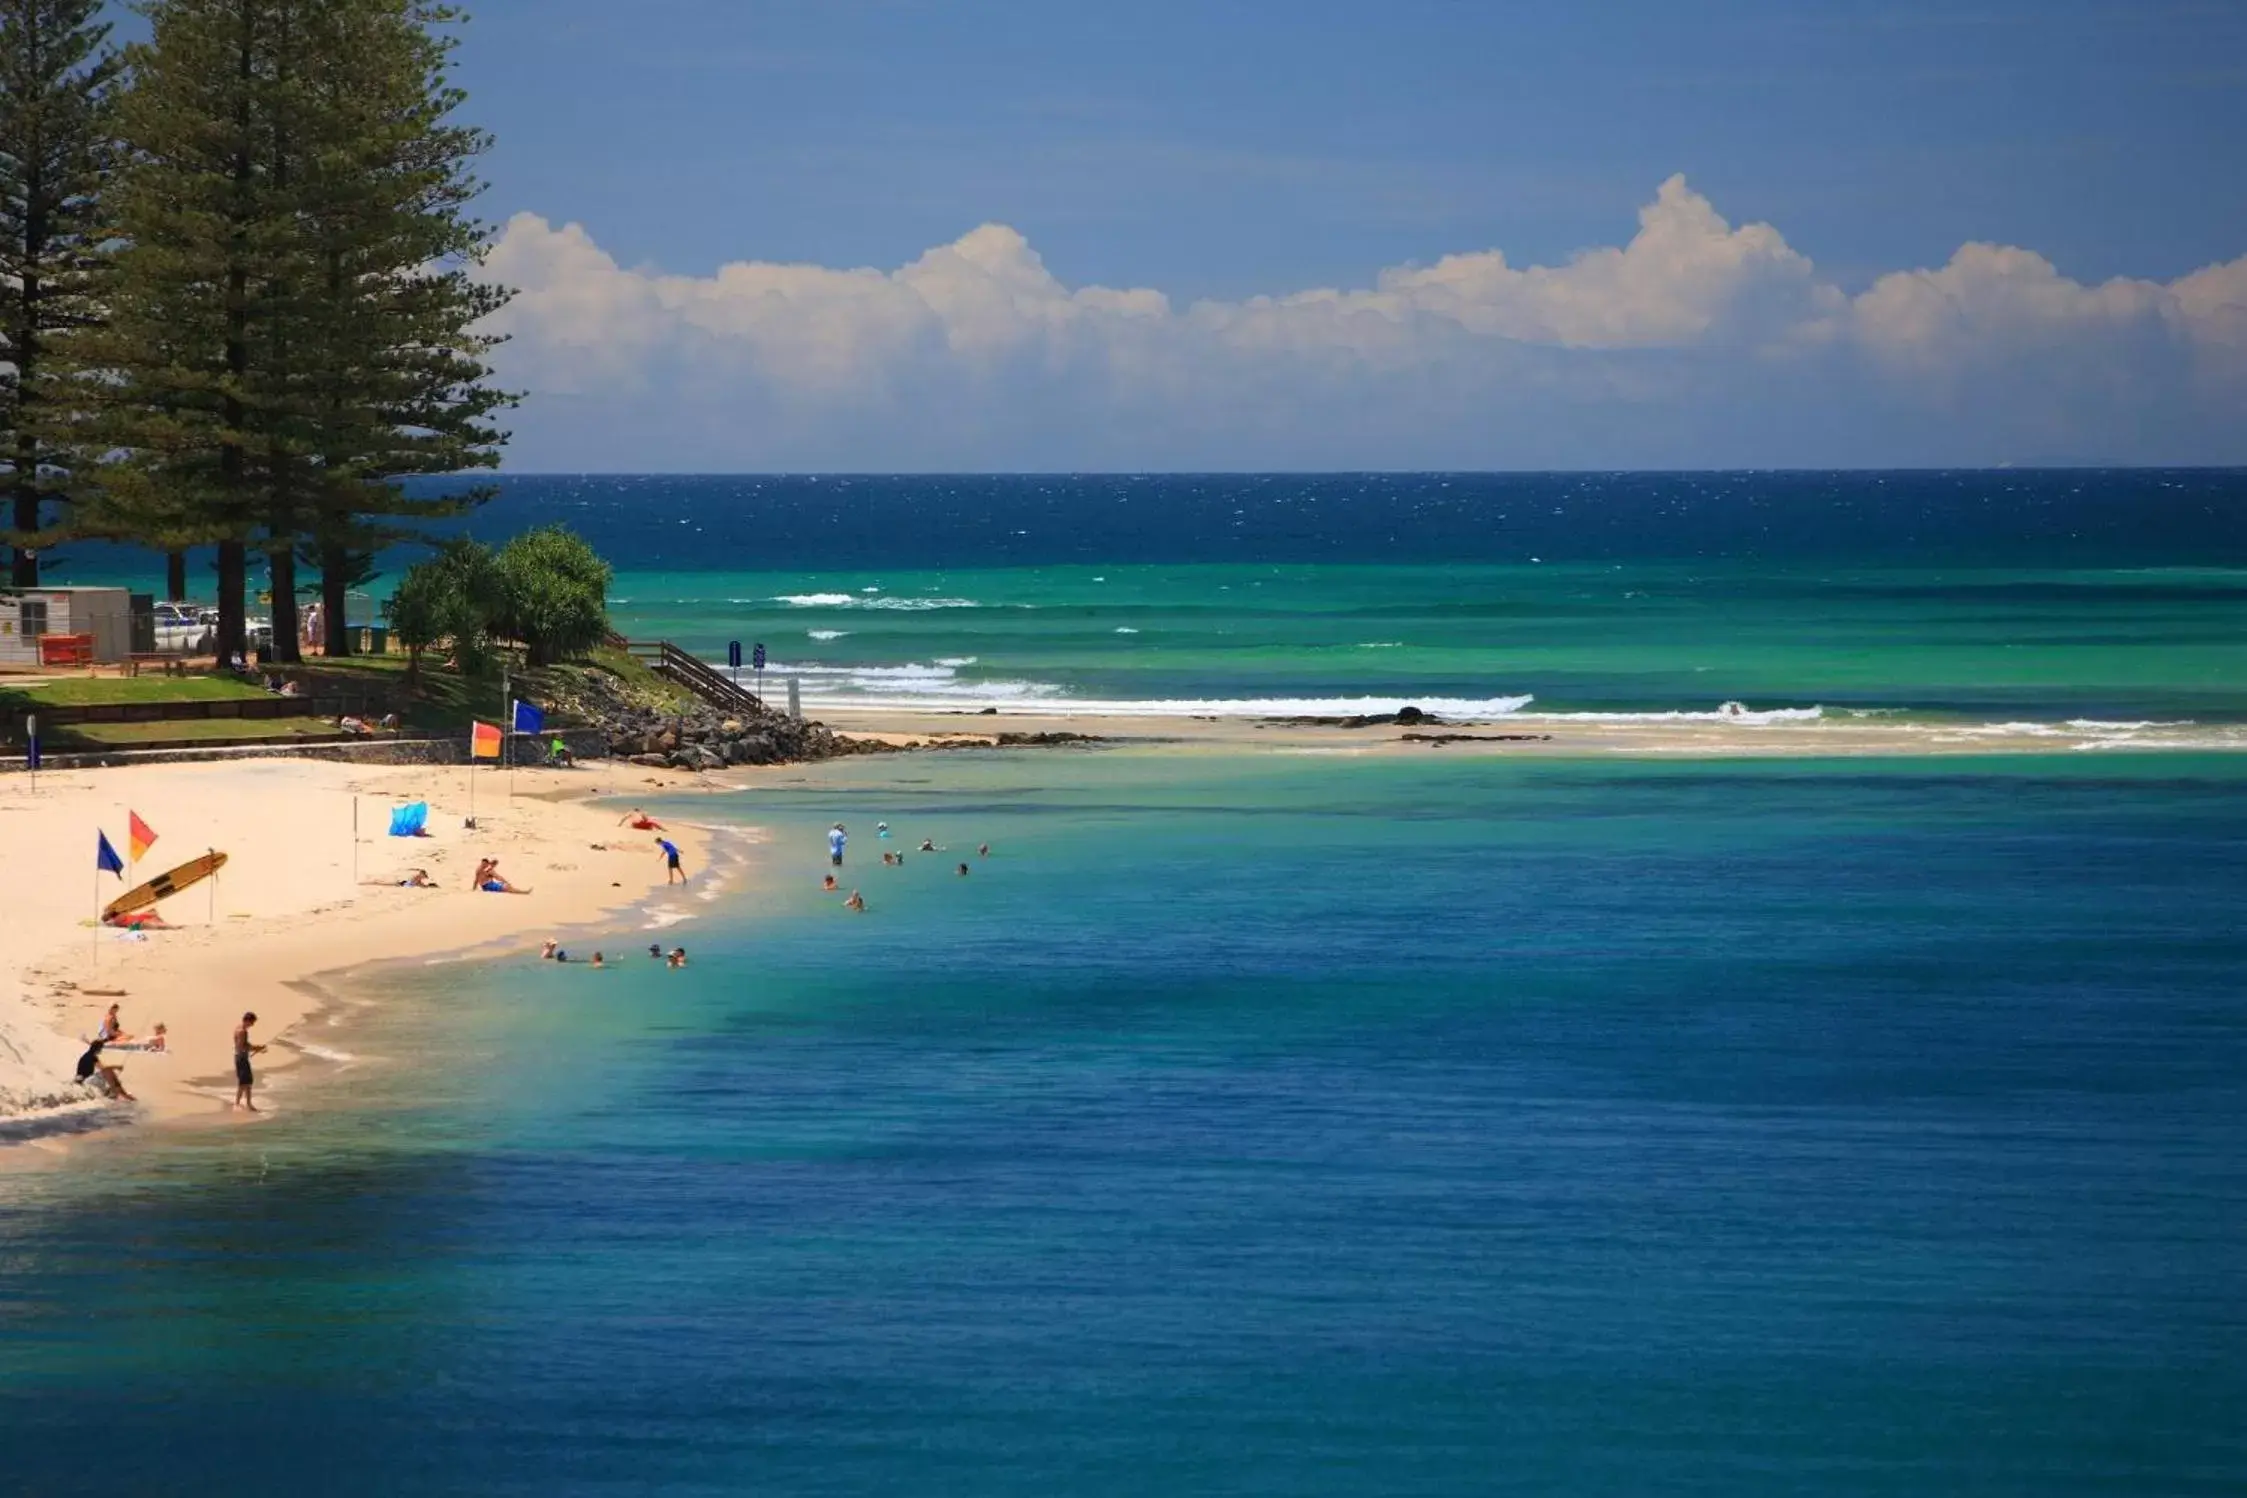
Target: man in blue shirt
835,841
674,873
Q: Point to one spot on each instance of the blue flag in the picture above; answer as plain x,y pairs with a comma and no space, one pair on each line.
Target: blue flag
106,857
528,719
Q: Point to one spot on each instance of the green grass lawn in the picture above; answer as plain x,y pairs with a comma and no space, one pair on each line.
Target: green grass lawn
132,735
101,691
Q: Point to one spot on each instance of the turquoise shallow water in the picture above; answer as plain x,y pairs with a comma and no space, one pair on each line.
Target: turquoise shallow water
1941,644
2116,596
1274,1124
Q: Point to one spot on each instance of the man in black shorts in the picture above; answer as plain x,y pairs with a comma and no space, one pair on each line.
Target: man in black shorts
244,1078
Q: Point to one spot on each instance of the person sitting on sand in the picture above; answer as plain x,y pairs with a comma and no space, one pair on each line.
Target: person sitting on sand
492,882
639,821
94,1070
678,957
112,1029
559,757
484,868
158,1041
856,901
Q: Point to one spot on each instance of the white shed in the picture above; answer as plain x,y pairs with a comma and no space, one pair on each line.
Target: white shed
27,613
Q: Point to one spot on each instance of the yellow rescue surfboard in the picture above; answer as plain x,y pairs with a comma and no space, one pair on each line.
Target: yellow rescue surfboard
141,896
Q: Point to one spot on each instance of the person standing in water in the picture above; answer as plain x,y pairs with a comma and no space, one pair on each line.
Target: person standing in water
837,840
673,873
244,1079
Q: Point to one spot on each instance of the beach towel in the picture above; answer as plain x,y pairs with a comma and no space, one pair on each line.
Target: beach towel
409,821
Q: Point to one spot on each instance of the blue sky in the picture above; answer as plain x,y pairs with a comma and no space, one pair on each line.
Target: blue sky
1222,148
873,234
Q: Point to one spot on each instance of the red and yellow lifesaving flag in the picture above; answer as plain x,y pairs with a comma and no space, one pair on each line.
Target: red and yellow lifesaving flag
141,836
483,741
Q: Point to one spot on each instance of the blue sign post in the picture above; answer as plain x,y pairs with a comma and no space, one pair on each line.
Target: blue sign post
760,668
733,661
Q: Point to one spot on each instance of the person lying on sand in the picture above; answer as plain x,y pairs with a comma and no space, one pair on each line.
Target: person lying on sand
639,821
416,879
92,1069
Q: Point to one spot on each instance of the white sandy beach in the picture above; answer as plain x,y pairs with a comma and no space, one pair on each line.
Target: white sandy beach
286,906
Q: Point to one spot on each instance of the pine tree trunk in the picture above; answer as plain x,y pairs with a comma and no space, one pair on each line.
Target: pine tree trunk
233,566
23,569
334,598
281,568
175,576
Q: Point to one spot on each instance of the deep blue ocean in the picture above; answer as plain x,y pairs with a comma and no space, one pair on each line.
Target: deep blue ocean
1287,1123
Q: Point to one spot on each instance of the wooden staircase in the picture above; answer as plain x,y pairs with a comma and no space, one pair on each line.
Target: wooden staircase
689,671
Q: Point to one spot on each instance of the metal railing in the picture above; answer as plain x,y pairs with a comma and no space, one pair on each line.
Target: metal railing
691,672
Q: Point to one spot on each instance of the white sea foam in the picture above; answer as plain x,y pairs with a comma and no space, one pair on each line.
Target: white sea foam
826,634
1381,645
1746,717
324,1053
854,601
1125,629
658,919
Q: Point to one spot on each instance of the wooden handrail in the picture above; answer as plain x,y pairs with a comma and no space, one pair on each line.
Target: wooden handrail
693,673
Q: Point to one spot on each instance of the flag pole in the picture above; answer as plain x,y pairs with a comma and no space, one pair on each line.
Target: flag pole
354,842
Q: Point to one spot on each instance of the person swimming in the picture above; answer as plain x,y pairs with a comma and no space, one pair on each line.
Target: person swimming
928,845
963,871
678,957
551,947
830,884
599,960
984,851
655,949
856,901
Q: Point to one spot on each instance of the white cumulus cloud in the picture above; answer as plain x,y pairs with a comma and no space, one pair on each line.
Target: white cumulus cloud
1696,342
